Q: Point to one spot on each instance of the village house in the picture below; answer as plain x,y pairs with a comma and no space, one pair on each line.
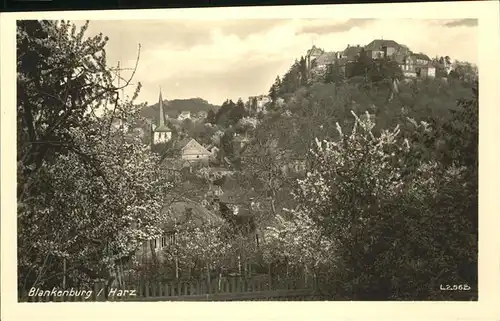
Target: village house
180,213
293,164
201,115
184,115
259,102
191,150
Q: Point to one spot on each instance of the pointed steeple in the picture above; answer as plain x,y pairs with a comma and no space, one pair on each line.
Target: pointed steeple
162,114
162,126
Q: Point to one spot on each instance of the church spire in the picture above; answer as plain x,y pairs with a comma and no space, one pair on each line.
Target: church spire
162,114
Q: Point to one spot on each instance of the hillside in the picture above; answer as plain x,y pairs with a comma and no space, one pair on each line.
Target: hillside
174,107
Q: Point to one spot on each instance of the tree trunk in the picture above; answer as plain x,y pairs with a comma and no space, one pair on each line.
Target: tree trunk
239,265
64,275
269,275
153,252
305,276
176,268
209,282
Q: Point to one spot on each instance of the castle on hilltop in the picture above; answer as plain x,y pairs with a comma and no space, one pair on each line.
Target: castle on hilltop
413,65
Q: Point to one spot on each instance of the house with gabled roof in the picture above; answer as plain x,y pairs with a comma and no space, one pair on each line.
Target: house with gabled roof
421,59
351,53
191,150
418,65
380,48
325,59
184,115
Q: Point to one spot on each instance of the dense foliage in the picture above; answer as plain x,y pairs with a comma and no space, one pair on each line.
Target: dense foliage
88,191
398,223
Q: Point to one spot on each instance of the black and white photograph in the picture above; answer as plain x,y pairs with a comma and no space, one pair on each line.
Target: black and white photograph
264,159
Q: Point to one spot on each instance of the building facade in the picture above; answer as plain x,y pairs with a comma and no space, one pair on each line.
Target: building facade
259,102
326,59
184,115
380,48
418,66
312,54
351,53
191,150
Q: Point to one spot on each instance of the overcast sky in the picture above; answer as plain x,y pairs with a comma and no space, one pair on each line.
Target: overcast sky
217,60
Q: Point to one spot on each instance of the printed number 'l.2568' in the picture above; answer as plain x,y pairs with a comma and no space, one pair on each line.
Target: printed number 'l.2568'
455,287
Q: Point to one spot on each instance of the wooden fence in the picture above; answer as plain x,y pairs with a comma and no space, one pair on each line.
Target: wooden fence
225,289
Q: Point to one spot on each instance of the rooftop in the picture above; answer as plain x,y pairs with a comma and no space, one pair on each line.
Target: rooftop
326,58
421,56
351,52
315,51
378,44
162,128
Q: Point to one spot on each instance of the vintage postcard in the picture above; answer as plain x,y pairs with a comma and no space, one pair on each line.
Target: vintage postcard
327,156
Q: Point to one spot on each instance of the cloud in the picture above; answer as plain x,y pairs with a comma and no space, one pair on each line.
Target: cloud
216,85
462,23
222,52
322,27
244,28
176,34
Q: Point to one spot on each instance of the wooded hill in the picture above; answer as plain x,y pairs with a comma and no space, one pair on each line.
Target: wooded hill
174,107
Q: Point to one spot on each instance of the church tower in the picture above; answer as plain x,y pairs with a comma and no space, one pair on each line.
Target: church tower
162,133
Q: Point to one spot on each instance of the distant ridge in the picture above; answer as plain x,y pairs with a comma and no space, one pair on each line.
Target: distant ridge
174,107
